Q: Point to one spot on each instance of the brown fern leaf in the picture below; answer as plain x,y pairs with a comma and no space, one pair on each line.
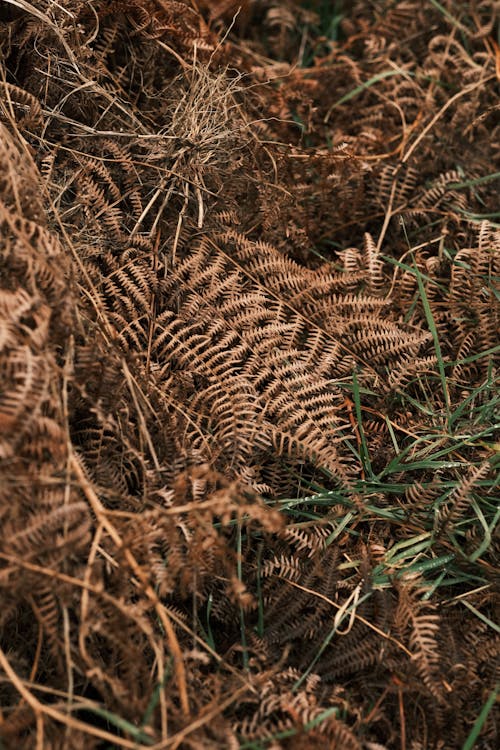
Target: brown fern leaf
460,497
422,621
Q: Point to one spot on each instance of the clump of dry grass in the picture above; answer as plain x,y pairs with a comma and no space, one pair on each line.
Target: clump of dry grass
204,133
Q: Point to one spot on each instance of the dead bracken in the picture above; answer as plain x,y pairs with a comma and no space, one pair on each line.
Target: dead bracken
249,261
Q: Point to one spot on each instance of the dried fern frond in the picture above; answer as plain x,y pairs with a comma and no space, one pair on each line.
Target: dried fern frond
228,482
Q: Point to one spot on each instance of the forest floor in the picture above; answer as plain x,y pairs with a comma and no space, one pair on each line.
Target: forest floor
249,300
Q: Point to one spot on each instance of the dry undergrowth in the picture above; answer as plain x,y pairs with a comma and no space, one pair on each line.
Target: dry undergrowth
248,326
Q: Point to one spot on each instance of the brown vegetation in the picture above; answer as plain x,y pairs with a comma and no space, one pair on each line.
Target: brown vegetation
248,327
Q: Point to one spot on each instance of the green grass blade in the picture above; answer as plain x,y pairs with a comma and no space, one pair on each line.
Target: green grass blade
332,711
339,528
260,620
431,565
242,613
365,456
366,85
482,617
487,531
326,641
446,14
122,724
479,723
477,181
155,697
437,346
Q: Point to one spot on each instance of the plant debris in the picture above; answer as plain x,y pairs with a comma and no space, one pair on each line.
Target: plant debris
248,351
